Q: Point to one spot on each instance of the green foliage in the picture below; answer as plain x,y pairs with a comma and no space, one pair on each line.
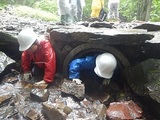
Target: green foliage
128,9
36,13
47,8
87,9
3,3
47,5
19,2
155,13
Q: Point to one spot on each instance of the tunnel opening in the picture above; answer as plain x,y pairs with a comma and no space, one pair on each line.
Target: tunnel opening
93,85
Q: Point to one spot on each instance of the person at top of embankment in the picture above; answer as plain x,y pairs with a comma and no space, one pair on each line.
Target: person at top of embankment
96,7
113,10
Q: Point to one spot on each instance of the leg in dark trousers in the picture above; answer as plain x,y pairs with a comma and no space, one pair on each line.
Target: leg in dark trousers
37,73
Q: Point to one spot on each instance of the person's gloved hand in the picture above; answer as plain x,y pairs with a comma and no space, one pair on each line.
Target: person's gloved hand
41,84
78,81
27,76
106,81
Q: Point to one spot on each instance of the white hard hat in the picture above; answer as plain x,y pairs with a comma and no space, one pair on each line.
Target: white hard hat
26,38
105,65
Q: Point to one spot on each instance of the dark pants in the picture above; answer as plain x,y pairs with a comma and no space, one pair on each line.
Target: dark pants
91,80
79,10
37,73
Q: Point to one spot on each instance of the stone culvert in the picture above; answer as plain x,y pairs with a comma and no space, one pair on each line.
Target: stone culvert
72,42
76,41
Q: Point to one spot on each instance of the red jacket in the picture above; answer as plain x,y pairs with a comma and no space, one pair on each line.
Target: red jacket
44,58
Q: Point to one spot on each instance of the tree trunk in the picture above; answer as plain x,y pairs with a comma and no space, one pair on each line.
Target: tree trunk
144,9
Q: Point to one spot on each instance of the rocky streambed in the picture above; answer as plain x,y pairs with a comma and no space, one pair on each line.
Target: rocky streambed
20,100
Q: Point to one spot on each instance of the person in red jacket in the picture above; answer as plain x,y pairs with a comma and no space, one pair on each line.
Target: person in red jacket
38,53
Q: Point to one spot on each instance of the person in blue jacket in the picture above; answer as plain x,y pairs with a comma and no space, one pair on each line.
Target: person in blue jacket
98,66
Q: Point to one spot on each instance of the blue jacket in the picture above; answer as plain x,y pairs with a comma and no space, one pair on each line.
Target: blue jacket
79,64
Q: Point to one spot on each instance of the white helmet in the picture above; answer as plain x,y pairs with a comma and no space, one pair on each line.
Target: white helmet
26,38
105,65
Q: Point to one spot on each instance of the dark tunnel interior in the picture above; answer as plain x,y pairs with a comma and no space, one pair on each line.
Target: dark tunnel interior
94,83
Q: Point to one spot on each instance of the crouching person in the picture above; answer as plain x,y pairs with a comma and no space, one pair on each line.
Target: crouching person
100,66
38,57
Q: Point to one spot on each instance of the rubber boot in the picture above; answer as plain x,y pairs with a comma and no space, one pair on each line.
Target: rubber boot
63,19
69,19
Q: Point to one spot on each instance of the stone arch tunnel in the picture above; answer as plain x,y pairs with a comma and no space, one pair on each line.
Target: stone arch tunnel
74,42
77,42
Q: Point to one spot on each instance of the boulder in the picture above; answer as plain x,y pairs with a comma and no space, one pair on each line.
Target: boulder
144,80
70,87
127,110
40,95
51,112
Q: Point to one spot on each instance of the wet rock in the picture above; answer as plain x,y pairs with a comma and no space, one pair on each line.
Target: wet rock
71,103
41,86
12,24
105,35
51,112
100,25
70,87
8,113
67,110
107,99
11,80
149,26
155,39
101,111
5,97
144,79
79,111
127,110
24,84
40,95
64,108
10,28
32,115
125,25
85,103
